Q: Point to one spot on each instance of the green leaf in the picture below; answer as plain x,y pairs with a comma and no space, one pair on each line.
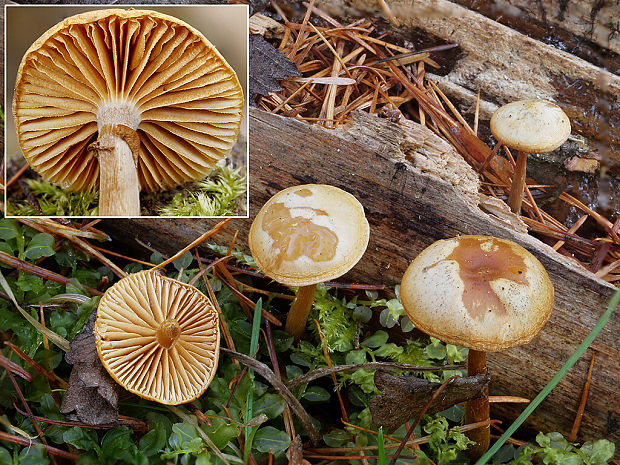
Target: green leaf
41,245
376,340
363,314
118,445
185,437
406,325
271,405
221,432
33,455
271,439
81,438
5,456
204,459
396,308
389,350
292,371
365,379
316,394
386,319
153,441
184,261
282,341
337,438
356,357
436,349
600,452
9,229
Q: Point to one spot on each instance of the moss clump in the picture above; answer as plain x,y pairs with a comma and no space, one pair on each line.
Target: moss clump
215,196
54,201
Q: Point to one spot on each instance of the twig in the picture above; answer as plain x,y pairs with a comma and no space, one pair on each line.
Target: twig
343,411
133,423
40,272
196,242
26,442
187,419
582,403
52,377
207,268
288,419
69,233
389,366
125,257
22,399
16,176
411,443
270,376
419,417
13,367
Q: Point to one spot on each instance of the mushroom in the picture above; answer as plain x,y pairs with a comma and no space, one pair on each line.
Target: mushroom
480,292
122,101
305,235
529,126
159,338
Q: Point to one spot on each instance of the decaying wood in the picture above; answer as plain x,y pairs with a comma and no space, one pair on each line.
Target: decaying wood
404,396
505,64
589,20
379,162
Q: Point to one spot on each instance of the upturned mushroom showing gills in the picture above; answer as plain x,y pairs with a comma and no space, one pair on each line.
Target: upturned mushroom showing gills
480,292
122,101
159,338
529,126
305,235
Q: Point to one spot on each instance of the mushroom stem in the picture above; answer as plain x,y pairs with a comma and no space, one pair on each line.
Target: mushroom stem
298,314
119,191
515,198
478,409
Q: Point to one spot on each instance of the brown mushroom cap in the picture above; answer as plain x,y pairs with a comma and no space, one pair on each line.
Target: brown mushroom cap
158,338
480,292
145,70
532,126
309,234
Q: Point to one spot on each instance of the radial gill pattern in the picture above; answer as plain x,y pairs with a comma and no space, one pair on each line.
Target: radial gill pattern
158,337
143,69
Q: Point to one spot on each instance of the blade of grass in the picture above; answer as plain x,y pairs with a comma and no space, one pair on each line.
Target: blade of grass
249,403
380,448
613,303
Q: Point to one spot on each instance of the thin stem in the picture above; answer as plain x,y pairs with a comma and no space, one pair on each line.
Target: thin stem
298,315
119,188
515,197
478,409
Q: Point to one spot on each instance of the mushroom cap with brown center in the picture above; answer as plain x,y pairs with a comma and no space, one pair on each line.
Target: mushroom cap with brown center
309,234
141,69
159,338
480,292
532,126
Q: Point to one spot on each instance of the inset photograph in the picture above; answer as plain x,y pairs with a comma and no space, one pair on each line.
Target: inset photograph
126,112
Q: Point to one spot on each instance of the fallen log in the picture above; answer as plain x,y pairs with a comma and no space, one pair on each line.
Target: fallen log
508,65
415,190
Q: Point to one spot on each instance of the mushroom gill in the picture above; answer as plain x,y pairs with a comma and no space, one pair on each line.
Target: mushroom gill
158,337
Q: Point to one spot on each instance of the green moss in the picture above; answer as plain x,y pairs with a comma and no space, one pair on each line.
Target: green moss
55,201
215,196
